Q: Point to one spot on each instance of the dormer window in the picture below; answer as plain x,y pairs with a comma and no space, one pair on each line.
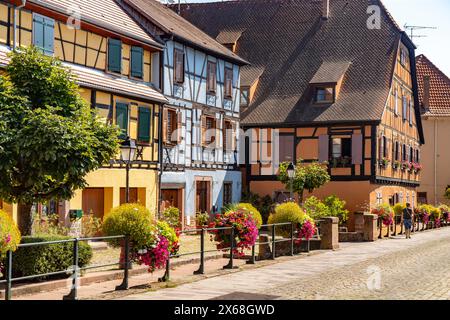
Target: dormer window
245,98
324,94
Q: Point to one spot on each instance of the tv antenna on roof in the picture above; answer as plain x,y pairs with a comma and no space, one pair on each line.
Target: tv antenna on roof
179,4
411,29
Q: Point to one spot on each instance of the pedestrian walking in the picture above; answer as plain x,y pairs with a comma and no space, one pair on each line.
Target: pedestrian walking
407,220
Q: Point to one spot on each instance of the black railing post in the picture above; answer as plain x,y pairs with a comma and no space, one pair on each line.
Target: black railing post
395,225
8,291
273,242
201,269
124,284
252,259
292,239
73,295
230,264
380,224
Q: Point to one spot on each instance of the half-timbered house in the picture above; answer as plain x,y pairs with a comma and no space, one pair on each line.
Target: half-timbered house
117,65
331,81
200,171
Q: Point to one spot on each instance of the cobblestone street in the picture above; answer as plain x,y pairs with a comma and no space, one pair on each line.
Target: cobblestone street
387,269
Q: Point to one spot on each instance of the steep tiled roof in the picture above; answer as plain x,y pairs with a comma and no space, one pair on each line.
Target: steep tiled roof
439,103
290,42
174,24
95,79
102,13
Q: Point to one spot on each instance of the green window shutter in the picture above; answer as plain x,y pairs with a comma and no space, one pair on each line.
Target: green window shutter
144,125
137,62
122,119
38,31
49,36
114,55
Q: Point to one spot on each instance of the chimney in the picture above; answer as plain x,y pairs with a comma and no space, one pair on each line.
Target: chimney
325,9
426,92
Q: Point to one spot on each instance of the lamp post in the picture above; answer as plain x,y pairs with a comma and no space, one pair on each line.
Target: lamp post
127,153
290,173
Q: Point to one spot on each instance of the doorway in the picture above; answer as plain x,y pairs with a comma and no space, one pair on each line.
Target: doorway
203,196
94,201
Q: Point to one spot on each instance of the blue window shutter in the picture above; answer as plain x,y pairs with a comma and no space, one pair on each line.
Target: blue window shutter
144,125
38,31
49,36
114,55
137,62
122,118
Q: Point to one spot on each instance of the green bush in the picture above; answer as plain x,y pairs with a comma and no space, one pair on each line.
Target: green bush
131,220
288,212
337,208
9,234
48,258
248,208
315,208
172,216
201,219
398,209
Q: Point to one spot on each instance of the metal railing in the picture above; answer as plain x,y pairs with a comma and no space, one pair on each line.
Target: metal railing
417,225
267,229
73,295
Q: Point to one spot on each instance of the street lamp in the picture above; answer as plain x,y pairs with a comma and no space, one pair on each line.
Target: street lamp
127,154
290,173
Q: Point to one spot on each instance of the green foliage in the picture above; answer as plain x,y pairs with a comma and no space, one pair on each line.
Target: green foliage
398,209
49,225
288,212
247,207
447,193
336,207
306,177
169,233
201,219
48,258
265,205
315,208
9,234
91,226
132,220
172,216
50,138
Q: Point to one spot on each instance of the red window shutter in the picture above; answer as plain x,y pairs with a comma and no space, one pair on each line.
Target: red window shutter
324,148
357,151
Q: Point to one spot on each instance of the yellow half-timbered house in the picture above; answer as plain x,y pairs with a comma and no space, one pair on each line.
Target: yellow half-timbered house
117,65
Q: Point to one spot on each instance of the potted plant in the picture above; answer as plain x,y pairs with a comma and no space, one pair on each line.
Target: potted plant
201,220
417,167
396,164
384,162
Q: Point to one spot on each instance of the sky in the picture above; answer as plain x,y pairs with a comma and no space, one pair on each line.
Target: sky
428,13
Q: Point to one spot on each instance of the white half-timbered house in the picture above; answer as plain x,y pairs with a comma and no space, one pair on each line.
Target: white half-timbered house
200,129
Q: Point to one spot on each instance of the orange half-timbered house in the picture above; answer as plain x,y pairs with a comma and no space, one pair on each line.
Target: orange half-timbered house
117,65
324,85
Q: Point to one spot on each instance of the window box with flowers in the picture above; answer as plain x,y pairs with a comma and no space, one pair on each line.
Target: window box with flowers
417,167
341,162
406,166
396,164
385,213
384,162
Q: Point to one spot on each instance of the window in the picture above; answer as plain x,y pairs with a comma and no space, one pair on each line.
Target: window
245,98
144,125
384,153
403,57
227,193
210,130
179,66
324,94
404,157
411,110
397,151
122,119
228,83
114,55
396,103
286,148
137,62
228,136
211,78
379,198
422,197
405,107
43,33
341,148
411,154
171,124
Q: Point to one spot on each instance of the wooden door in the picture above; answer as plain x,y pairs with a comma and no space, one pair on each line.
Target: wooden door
133,195
170,198
93,201
203,196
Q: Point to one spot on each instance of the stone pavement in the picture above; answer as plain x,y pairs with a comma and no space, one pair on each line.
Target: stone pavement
387,269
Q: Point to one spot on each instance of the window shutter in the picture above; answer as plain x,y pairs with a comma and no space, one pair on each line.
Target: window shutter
164,128
411,111
203,130
396,102
357,151
49,35
233,136
114,55
179,126
137,62
386,147
404,107
380,147
179,66
218,130
122,118
144,125
324,148
38,31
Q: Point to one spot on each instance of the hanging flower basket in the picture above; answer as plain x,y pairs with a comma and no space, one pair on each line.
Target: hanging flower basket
385,213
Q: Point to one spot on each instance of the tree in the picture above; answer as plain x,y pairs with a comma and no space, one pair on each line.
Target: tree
50,138
306,177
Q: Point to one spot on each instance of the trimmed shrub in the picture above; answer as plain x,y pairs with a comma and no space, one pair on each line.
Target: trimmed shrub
131,220
48,258
172,216
248,207
9,234
288,212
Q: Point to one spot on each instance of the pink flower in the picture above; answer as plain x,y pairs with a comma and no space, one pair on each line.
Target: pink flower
8,239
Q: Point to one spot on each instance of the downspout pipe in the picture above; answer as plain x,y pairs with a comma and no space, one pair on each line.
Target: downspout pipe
24,2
